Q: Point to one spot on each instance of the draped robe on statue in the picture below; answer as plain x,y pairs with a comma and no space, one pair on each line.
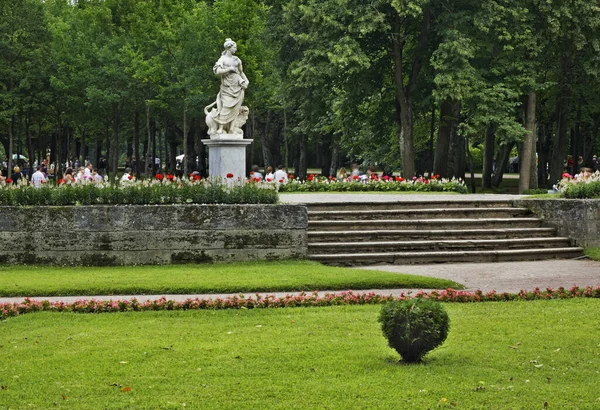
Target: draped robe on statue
231,94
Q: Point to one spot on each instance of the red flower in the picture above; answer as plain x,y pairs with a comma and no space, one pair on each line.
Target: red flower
251,173
196,177
9,181
399,179
291,176
269,179
437,176
159,177
355,177
333,178
281,181
385,178
311,177
230,175
565,175
257,179
426,181
130,177
170,177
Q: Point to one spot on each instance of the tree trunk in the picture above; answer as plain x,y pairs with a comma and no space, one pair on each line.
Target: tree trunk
302,167
559,139
10,145
114,143
30,148
149,145
447,121
265,141
501,162
431,163
186,157
488,156
136,143
528,149
457,150
334,158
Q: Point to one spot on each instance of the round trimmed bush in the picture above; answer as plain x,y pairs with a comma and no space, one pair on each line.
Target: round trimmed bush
414,327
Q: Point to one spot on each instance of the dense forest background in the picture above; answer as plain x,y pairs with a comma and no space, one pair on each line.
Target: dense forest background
421,86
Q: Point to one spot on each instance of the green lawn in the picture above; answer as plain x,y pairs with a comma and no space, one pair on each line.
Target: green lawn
501,355
217,278
593,253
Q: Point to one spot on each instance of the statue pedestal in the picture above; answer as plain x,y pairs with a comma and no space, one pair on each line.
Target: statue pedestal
227,155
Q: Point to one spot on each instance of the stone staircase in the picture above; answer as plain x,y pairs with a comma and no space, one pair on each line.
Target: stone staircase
429,232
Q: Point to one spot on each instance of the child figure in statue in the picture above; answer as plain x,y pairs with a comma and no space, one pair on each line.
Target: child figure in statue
231,95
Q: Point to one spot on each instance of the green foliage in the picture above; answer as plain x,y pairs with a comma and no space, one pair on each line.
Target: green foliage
376,186
582,190
138,195
414,327
540,191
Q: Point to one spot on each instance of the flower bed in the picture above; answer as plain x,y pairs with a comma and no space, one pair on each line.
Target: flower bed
160,190
300,300
384,184
583,185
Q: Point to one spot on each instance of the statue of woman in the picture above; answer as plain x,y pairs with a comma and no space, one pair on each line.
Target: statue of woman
231,95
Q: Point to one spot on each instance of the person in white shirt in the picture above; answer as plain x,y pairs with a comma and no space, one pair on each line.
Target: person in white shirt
256,173
127,175
38,178
281,175
269,177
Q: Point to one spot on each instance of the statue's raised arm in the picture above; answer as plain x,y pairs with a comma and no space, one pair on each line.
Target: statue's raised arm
229,114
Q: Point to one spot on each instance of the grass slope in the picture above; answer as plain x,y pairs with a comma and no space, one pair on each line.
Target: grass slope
217,278
498,355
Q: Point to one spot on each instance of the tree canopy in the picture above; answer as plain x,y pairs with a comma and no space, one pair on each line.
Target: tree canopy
417,86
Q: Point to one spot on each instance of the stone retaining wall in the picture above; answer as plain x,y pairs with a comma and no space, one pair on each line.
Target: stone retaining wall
578,219
153,234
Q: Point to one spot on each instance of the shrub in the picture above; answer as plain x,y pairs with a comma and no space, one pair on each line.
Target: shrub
414,327
140,193
583,190
397,184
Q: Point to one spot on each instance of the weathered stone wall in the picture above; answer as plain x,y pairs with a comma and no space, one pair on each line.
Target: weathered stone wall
575,218
153,234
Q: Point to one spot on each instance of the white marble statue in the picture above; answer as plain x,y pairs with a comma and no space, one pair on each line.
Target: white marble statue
229,113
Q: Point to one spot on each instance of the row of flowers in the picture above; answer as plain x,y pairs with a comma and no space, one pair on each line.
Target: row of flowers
379,184
300,300
583,185
164,190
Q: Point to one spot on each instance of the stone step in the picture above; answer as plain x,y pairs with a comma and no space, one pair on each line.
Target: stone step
399,234
319,248
424,213
401,258
457,223
384,206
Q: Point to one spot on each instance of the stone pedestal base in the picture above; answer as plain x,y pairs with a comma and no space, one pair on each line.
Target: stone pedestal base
227,155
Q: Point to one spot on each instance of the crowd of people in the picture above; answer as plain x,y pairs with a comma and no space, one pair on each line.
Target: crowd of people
279,176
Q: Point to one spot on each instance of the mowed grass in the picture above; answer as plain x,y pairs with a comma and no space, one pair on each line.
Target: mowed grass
593,253
210,278
503,355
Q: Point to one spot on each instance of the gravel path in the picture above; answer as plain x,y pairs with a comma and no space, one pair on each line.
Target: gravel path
509,276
